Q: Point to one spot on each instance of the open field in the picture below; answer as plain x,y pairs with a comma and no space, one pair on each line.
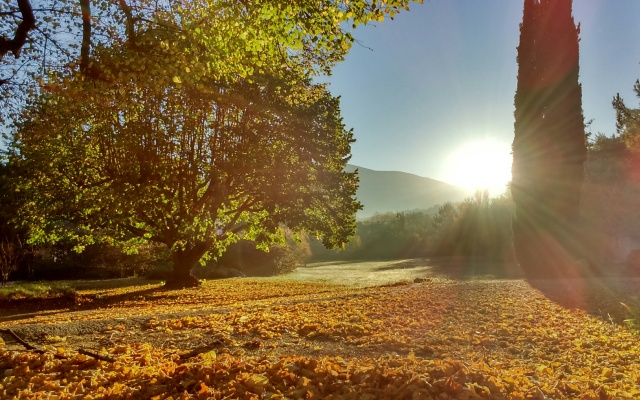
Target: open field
304,336
373,273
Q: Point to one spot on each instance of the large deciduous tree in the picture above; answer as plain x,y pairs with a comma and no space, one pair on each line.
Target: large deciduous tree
549,148
192,167
189,123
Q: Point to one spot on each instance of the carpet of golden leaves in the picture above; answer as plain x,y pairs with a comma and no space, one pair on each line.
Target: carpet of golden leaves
252,339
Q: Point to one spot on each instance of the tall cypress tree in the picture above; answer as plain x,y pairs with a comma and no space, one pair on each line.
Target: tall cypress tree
549,148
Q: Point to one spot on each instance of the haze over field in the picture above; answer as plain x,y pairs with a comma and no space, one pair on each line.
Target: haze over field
393,191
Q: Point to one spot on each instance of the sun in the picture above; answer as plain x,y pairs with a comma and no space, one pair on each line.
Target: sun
483,164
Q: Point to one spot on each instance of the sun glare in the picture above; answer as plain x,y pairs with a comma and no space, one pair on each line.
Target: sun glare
482,164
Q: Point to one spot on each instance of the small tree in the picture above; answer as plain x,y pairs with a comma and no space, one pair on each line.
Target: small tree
628,124
193,168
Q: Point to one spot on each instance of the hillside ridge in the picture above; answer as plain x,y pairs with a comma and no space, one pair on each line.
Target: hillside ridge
395,191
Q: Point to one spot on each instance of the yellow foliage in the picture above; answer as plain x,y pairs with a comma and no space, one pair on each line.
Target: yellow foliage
457,340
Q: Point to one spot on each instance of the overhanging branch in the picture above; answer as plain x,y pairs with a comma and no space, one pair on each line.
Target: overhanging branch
22,32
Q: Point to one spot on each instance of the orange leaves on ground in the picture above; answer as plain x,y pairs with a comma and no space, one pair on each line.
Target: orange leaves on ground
436,340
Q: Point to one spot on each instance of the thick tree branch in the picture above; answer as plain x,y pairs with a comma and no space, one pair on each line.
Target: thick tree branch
22,32
18,339
126,9
85,6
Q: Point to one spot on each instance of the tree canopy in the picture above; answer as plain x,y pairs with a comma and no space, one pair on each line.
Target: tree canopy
194,170
187,123
176,39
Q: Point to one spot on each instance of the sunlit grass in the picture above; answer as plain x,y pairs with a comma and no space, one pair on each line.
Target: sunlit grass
633,313
34,290
56,289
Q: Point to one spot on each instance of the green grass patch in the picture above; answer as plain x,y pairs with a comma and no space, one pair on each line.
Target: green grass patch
36,290
633,313
66,289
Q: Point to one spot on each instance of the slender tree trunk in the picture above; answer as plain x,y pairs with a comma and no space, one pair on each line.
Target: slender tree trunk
183,263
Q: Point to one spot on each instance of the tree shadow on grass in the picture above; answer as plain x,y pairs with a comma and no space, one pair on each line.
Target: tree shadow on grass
105,284
405,264
598,296
24,308
463,268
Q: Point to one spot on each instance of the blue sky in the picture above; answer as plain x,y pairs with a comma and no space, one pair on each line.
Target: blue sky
444,75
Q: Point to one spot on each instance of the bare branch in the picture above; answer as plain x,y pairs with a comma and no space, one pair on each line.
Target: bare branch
22,32
131,33
18,339
96,355
33,348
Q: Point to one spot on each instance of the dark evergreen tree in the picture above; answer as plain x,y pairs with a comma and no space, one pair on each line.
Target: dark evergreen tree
549,148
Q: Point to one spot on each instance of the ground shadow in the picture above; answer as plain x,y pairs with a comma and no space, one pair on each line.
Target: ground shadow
18,309
598,296
120,283
461,268
405,264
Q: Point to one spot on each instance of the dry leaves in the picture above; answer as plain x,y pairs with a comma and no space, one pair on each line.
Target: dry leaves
266,339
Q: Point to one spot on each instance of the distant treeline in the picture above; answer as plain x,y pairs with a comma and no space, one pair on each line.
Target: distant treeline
477,228
480,228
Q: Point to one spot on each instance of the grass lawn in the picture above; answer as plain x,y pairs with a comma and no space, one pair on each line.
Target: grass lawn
289,338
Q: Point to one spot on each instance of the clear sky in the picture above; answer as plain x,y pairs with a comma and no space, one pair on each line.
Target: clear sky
426,89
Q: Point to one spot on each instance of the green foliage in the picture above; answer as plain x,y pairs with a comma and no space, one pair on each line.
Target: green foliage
13,250
610,194
280,259
607,160
628,119
56,261
633,313
612,189
478,229
549,147
182,41
385,236
37,290
151,125
193,170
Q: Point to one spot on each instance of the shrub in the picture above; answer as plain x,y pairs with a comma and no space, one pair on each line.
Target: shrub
95,262
633,313
244,256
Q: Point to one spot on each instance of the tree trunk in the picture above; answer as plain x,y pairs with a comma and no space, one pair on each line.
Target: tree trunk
183,262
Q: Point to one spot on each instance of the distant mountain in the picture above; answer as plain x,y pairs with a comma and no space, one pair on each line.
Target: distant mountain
391,191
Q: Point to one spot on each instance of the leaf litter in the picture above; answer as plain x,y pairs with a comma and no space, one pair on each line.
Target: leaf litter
255,339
